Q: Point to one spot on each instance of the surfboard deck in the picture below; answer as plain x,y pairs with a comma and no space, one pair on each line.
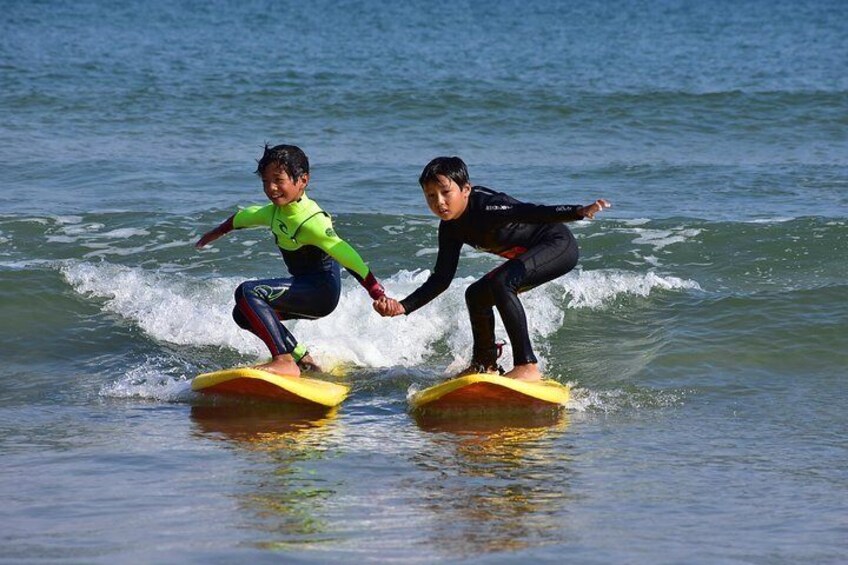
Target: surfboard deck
485,391
248,381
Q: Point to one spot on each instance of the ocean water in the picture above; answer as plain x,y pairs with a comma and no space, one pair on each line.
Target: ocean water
704,333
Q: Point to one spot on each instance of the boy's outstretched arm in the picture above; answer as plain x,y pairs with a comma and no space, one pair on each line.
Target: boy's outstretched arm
525,212
225,227
597,206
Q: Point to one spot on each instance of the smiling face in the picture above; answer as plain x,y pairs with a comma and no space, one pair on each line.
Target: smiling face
279,186
445,198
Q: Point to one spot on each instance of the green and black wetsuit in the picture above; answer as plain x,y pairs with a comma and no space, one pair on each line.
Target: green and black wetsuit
312,252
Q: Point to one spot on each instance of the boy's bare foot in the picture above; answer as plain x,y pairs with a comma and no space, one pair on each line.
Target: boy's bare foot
282,365
528,372
308,365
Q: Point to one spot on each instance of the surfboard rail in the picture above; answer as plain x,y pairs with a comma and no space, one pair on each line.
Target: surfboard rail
249,381
490,391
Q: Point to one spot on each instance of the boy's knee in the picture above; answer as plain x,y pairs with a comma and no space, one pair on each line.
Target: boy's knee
242,289
254,290
508,278
240,319
477,291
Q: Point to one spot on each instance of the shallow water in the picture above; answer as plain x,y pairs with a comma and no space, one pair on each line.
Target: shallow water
704,332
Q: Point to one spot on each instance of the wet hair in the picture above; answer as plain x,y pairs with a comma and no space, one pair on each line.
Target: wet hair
290,157
451,167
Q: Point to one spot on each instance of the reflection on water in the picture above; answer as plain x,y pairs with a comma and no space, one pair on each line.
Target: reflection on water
451,487
261,426
495,483
286,499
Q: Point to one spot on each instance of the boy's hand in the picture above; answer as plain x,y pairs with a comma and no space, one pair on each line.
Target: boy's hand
388,307
588,212
212,235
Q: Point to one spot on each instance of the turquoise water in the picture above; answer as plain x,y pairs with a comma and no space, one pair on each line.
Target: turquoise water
704,333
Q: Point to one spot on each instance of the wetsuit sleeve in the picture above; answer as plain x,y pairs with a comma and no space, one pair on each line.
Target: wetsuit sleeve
254,216
443,273
318,231
522,212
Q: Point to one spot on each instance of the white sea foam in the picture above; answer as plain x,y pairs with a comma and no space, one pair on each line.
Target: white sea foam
70,233
634,221
594,289
106,249
148,381
584,400
121,233
65,220
61,239
25,264
777,220
178,309
662,238
169,308
41,221
394,229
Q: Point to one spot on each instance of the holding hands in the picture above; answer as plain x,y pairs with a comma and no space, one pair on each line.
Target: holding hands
388,307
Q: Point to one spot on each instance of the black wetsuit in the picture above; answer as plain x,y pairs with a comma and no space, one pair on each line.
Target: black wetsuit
539,249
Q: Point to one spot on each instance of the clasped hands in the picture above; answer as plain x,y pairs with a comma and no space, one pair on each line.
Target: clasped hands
388,307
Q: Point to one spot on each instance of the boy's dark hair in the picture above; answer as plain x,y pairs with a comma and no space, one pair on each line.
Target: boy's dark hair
451,167
290,157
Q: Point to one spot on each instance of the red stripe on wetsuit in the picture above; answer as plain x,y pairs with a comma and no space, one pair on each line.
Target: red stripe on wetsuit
512,252
258,327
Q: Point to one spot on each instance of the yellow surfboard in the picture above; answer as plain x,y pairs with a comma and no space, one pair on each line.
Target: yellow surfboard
484,391
247,381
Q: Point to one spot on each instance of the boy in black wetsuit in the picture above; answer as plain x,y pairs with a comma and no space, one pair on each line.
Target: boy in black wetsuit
538,248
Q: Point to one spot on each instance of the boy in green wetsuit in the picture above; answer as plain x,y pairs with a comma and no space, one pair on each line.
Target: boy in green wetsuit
311,250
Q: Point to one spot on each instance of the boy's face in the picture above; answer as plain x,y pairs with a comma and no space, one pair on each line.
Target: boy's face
279,186
445,198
